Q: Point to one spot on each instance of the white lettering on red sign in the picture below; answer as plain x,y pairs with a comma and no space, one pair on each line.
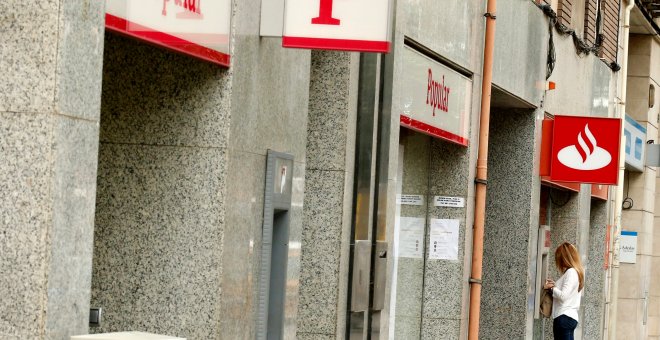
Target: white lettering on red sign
437,94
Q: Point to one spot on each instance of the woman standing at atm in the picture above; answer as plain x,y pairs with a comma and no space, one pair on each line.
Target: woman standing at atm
566,292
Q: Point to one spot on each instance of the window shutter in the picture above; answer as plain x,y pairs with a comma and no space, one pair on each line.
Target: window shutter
610,30
564,12
590,17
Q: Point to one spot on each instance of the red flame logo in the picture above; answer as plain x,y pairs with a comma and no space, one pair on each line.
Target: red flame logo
587,146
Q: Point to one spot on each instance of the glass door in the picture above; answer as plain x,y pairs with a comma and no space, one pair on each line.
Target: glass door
409,236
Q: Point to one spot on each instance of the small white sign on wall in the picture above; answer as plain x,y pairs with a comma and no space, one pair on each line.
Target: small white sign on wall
628,247
448,201
410,199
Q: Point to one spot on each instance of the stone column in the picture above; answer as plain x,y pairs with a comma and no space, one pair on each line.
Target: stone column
328,195
50,93
593,298
511,225
445,290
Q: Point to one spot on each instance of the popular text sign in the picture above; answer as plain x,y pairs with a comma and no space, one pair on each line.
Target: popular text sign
586,149
345,25
194,27
435,99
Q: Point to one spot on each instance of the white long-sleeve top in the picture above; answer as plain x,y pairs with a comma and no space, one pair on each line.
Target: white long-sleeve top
566,298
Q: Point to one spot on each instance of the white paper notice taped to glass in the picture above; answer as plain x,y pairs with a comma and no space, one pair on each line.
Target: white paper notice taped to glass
443,243
410,199
448,201
411,237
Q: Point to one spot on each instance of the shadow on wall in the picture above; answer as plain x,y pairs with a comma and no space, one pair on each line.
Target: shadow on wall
155,96
160,209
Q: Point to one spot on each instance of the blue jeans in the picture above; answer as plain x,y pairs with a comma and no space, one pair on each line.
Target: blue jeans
563,327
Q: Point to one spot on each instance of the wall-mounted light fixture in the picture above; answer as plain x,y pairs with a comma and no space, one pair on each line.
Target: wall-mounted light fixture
651,96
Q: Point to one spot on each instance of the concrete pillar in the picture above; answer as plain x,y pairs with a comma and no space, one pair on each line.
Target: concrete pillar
593,298
50,90
511,225
445,289
328,195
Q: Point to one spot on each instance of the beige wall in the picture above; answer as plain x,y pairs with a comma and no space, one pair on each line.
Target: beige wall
654,288
639,292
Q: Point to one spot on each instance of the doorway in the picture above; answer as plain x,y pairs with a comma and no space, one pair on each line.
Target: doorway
409,241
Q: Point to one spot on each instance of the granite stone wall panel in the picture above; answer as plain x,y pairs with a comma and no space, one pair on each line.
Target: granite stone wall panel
327,213
408,327
508,225
242,240
80,58
50,54
594,285
409,290
28,52
26,189
321,239
156,97
314,336
443,279
450,169
161,192
440,329
270,96
71,237
158,237
329,106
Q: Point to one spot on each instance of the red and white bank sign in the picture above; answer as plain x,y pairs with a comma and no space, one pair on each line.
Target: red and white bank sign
194,27
344,25
435,99
585,149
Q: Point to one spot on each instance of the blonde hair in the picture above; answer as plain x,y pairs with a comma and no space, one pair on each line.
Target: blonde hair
567,256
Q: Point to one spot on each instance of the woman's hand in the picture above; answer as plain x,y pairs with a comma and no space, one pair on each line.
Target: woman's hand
549,284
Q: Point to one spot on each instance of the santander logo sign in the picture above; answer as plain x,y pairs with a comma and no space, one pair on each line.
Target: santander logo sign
586,155
585,149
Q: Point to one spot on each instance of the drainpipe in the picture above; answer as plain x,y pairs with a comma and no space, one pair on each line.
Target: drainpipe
481,179
618,200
